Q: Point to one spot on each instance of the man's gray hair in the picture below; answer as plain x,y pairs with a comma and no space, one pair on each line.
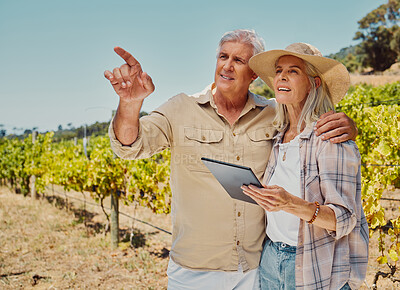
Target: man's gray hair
247,36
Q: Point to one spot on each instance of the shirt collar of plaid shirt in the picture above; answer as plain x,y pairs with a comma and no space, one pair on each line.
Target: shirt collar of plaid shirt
306,134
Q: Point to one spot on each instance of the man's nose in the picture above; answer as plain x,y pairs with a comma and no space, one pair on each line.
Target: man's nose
228,65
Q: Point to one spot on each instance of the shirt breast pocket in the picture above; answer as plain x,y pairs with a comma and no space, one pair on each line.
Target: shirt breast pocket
259,147
201,143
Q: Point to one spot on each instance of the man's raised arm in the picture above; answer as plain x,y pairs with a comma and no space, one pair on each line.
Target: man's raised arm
132,86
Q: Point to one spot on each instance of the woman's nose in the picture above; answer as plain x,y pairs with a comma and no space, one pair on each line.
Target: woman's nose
283,75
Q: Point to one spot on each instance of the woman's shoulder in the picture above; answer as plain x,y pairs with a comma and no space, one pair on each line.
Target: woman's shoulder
347,148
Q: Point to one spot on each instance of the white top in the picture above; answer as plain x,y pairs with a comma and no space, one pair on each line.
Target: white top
282,226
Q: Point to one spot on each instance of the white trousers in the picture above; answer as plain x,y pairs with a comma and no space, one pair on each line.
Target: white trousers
182,278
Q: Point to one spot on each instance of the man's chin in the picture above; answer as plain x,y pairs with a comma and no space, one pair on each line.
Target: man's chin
223,88
226,84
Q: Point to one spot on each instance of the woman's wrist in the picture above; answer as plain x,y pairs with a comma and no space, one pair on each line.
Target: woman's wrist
317,208
301,208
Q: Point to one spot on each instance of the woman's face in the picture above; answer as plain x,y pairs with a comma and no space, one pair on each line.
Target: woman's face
291,83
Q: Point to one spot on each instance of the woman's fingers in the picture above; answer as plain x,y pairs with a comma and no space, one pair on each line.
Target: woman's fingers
276,196
265,202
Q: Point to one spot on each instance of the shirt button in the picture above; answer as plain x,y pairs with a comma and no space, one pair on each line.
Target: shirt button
274,123
238,243
239,214
267,135
234,134
238,158
203,138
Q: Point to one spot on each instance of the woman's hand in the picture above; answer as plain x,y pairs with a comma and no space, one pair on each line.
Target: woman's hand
271,198
275,198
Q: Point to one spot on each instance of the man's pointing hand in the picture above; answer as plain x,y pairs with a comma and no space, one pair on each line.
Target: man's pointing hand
128,80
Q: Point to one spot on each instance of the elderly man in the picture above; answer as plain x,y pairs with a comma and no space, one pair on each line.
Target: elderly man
217,241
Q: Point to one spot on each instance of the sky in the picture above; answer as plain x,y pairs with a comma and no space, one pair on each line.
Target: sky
53,53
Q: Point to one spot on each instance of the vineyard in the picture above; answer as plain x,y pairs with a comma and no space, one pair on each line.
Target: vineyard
32,165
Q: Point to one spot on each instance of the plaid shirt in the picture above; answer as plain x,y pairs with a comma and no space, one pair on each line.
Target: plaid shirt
329,174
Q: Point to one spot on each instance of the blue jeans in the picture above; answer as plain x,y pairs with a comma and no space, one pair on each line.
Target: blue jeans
277,267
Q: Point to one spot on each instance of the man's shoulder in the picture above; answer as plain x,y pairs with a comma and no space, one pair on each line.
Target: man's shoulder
202,94
200,97
179,98
262,101
181,101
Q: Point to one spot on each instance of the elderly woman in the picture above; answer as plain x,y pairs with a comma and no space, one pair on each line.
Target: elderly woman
317,234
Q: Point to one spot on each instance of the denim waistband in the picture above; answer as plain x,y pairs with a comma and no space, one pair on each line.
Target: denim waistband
280,246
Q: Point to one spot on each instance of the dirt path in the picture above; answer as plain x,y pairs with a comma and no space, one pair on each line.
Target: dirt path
44,247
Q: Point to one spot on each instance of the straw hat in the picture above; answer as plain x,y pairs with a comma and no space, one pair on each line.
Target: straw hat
333,73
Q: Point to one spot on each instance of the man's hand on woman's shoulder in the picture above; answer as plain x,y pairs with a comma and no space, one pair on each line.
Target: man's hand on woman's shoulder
336,127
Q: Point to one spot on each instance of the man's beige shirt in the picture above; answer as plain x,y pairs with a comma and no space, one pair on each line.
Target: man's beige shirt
211,231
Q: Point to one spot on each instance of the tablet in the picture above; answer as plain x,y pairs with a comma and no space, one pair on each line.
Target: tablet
232,177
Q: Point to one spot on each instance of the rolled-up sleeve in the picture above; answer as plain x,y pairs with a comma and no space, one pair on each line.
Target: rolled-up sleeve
154,136
339,170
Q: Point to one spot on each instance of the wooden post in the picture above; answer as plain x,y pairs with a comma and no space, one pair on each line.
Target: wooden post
114,220
33,177
84,141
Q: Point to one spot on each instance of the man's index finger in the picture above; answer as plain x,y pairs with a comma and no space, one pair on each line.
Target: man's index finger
130,60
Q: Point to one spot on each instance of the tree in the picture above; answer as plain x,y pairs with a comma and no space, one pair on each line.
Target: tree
349,58
380,35
2,131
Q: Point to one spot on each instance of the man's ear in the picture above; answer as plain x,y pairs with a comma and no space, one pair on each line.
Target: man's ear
254,76
317,82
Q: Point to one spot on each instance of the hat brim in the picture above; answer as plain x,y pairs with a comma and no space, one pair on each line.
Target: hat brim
333,73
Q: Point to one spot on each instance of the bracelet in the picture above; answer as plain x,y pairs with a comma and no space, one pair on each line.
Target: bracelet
315,213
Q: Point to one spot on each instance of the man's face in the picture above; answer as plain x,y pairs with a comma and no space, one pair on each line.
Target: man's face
232,73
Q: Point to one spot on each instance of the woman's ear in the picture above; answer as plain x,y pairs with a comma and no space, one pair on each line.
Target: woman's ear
317,82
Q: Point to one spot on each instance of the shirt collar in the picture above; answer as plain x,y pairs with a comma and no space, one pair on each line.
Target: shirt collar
206,96
306,134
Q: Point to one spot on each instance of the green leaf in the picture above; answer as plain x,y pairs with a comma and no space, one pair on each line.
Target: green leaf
393,255
382,260
384,148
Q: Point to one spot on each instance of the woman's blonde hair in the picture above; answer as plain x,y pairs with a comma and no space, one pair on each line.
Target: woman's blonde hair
317,103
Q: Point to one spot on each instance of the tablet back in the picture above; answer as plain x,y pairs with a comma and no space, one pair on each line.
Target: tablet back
232,177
